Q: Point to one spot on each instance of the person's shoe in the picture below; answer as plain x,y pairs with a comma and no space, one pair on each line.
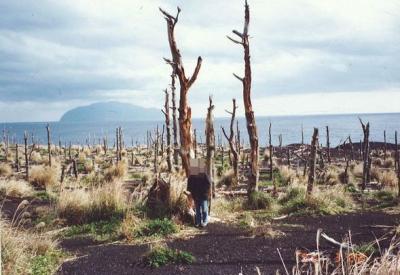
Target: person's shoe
203,224
197,225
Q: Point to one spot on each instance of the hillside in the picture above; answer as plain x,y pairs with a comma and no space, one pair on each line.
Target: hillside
110,111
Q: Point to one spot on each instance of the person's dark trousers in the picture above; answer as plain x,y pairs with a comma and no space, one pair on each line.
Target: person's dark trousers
201,212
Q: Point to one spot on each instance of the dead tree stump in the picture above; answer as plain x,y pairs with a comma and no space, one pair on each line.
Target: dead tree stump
312,161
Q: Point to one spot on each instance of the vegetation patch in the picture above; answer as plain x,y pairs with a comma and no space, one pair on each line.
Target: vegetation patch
259,200
47,263
162,256
101,231
157,228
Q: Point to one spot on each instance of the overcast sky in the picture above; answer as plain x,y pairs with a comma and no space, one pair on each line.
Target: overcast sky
308,57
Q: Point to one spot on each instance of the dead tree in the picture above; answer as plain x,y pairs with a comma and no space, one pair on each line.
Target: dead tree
270,151
162,140
28,154
346,169
231,141
384,145
156,145
16,157
121,142
238,137
397,165
174,119
351,148
210,143
185,112
312,161
366,157
288,156
117,143
248,108
105,145
280,140
6,143
48,143
168,126
328,145
302,135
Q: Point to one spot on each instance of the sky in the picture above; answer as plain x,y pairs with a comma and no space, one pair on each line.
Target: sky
308,56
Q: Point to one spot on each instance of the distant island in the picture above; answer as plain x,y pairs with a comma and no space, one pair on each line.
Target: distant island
111,111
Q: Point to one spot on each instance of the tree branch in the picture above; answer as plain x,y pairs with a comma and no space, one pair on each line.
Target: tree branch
238,77
196,71
234,41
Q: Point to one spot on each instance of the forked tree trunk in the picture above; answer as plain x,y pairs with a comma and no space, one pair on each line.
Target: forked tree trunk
312,161
270,151
185,112
238,137
231,141
210,143
168,126
328,145
366,157
248,108
48,143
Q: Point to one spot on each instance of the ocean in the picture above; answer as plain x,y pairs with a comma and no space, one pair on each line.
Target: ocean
340,127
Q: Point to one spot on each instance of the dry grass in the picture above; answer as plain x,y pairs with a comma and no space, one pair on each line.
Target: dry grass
36,157
227,179
115,172
388,179
16,188
19,249
43,176
5,170
80,206
287,175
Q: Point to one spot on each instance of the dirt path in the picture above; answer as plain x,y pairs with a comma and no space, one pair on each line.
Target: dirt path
222,249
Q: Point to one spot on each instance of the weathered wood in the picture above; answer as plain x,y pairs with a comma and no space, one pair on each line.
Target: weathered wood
16,157
384,145
210,144
174,119
365,155
156,144
185,112
195,142
168,131
270,151
328,145
238,137
26,156
232,145
248,108
49,142
397,165
312,161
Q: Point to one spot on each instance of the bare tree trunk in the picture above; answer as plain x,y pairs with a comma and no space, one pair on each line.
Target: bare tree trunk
288,156
156,152
168,126
366,157
185,112
270,151
384,145
121,143
280,140
210,144
231,141
162,140
312,161
16,157
346,169
351,149
238,137
174,120
26,156
302,135
117,143
48,143
328,145
246,82
75,168
397,165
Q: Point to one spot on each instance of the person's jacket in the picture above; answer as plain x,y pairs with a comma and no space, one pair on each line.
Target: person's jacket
199,186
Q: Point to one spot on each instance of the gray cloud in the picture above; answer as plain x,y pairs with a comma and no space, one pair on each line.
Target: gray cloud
90,51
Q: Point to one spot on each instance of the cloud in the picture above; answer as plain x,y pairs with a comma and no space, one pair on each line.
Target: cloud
65,53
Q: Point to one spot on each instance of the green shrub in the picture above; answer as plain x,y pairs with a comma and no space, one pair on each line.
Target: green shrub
162,256
101,230
292,194
157,227
45,264
259,200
